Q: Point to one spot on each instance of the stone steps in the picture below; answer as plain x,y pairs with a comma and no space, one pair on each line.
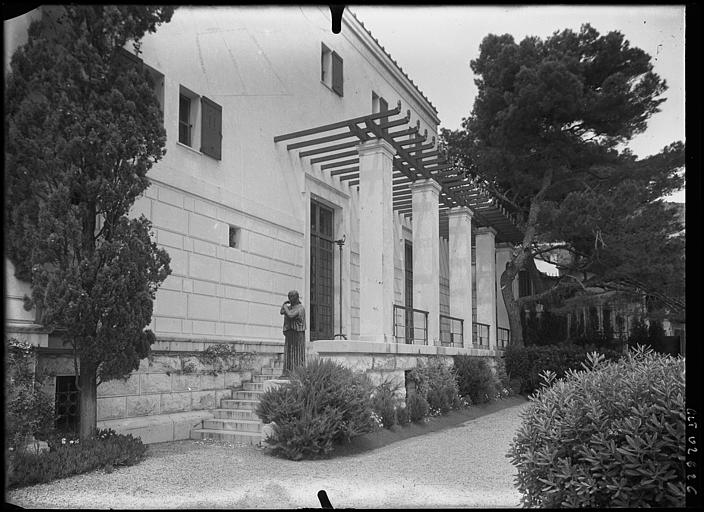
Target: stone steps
229,436
236,421
239,425
235,414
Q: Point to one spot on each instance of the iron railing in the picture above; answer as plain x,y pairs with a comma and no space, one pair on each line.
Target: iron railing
503,337
480,334
451,331
410,325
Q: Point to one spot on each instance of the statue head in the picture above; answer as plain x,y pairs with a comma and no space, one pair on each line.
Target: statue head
293,297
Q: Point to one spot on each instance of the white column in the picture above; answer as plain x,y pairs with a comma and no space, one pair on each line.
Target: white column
376,241
486,280
460,229
426,252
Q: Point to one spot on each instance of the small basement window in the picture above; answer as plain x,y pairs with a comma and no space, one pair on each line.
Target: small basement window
234,237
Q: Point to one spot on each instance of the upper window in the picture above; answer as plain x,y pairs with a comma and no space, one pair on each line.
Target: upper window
200,116
331,70
185,126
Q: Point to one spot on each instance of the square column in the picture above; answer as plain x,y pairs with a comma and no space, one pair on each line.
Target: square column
376,241
503,256
426,252
460,248
486,280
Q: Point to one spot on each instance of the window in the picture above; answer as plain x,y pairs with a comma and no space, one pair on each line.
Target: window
184,120
321,271
331,69
234,237
200,116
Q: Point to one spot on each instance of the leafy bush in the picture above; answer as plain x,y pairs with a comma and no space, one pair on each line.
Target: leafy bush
612,435
436,383
526,363
105,449
475,378
402,416
385,404
30,412
417,407
323,404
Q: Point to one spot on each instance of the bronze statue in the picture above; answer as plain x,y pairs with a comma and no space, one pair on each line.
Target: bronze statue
294,332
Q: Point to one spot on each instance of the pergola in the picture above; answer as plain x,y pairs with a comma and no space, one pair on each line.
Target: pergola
334,147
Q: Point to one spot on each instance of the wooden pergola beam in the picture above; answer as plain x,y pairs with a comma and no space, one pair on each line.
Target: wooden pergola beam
346,170
333,156
339,164
340,124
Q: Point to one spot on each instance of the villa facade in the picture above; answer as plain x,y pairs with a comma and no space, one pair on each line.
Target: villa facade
296,159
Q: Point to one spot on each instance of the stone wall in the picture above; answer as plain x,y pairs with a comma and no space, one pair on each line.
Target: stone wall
170,392
390,361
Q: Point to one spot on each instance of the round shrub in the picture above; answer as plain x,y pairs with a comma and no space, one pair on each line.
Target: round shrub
612,435
475,379
417,407
527,363
324,404
436,383
385,404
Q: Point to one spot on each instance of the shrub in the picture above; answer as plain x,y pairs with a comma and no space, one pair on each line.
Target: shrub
417,407
402,416
526,363
71,457
30,412
436,383
475,378
385,404
323,404
612,435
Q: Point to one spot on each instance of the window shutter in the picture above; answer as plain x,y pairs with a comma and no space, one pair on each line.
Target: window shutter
211,128
337,73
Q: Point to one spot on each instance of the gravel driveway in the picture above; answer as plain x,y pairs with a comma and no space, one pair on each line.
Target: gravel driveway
464,466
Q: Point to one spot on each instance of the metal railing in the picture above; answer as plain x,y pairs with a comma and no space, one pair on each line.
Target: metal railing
410,325
451,331
480,335
503,337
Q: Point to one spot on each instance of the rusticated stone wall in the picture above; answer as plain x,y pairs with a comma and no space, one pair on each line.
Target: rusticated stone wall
169,382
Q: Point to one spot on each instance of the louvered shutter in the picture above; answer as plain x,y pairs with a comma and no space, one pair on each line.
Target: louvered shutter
211,128
337,73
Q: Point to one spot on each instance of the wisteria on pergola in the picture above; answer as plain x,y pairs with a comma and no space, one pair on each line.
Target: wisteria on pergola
334,147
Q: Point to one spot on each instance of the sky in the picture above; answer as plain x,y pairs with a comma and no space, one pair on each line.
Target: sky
434,46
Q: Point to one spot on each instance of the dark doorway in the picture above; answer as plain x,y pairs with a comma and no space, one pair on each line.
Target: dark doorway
67,404
322,258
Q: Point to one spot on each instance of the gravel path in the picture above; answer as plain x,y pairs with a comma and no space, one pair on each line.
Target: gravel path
464,466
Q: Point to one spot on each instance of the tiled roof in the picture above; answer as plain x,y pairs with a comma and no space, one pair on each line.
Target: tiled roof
392,60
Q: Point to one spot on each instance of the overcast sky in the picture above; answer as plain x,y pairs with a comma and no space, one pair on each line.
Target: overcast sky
434,45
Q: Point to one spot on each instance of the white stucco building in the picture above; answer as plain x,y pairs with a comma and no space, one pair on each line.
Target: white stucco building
275,150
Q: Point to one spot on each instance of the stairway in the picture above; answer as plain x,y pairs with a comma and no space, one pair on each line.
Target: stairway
235,421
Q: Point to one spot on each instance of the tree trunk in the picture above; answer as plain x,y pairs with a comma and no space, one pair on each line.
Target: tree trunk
89,403
518,260
512,307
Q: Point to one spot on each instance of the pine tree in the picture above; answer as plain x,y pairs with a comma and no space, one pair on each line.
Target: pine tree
83,126
546,134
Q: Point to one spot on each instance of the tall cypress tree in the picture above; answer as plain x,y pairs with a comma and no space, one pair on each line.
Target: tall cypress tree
82,128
